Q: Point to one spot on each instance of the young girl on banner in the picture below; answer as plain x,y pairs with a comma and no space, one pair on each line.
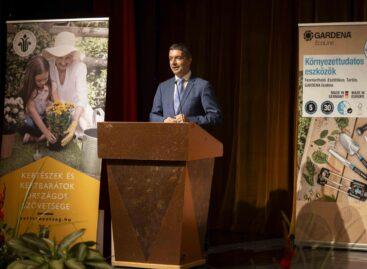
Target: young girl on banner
37,92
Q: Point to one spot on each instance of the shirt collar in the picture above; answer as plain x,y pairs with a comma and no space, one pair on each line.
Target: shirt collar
185,77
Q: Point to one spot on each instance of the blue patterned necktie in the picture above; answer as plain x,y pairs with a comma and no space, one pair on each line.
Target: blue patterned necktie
177,95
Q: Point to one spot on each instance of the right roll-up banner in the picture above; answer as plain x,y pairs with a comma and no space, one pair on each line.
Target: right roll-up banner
331,155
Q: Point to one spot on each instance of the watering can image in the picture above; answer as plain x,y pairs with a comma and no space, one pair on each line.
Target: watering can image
90,163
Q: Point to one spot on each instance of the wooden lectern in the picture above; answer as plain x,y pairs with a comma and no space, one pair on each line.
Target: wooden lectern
159,178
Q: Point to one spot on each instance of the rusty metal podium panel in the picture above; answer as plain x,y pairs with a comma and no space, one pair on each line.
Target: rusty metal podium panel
159,178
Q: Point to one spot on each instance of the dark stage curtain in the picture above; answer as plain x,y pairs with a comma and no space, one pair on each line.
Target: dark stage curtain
121,103
248,51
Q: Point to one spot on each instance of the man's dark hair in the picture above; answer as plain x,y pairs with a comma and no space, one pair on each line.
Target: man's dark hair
182,47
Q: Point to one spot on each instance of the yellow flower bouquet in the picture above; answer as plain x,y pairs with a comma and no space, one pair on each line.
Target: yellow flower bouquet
58,116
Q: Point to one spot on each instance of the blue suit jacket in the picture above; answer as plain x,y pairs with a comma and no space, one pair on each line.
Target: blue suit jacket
198,103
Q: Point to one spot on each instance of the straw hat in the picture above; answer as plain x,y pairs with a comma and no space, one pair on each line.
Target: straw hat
64,45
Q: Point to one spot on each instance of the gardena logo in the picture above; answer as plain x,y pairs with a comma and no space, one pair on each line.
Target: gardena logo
308,35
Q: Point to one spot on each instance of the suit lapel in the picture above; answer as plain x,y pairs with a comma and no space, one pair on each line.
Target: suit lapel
187,90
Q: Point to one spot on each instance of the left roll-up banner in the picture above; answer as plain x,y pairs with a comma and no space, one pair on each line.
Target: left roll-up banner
55,89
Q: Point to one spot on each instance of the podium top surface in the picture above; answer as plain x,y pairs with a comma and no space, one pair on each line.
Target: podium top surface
156,141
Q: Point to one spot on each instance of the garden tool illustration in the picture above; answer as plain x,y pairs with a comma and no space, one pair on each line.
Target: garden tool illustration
352,147
348,164
356,189
360,130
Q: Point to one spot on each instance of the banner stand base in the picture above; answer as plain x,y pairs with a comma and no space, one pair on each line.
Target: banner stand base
323,245
156,265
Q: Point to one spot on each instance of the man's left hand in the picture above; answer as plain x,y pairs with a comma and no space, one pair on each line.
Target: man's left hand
181,118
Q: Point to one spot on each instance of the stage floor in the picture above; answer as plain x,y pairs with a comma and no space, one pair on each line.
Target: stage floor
265,254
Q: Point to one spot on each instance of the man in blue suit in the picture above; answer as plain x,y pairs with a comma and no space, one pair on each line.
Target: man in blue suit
184,98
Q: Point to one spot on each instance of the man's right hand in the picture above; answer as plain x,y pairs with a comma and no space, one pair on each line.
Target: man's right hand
170,120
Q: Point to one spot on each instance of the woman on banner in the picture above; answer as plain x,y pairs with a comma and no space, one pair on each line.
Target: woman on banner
70,75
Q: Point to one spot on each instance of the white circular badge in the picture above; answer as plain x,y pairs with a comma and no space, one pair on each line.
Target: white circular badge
24,43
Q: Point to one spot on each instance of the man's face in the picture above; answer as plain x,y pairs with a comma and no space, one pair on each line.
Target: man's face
179,63
63,62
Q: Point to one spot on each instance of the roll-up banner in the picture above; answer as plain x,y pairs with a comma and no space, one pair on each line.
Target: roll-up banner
331,174
55,89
